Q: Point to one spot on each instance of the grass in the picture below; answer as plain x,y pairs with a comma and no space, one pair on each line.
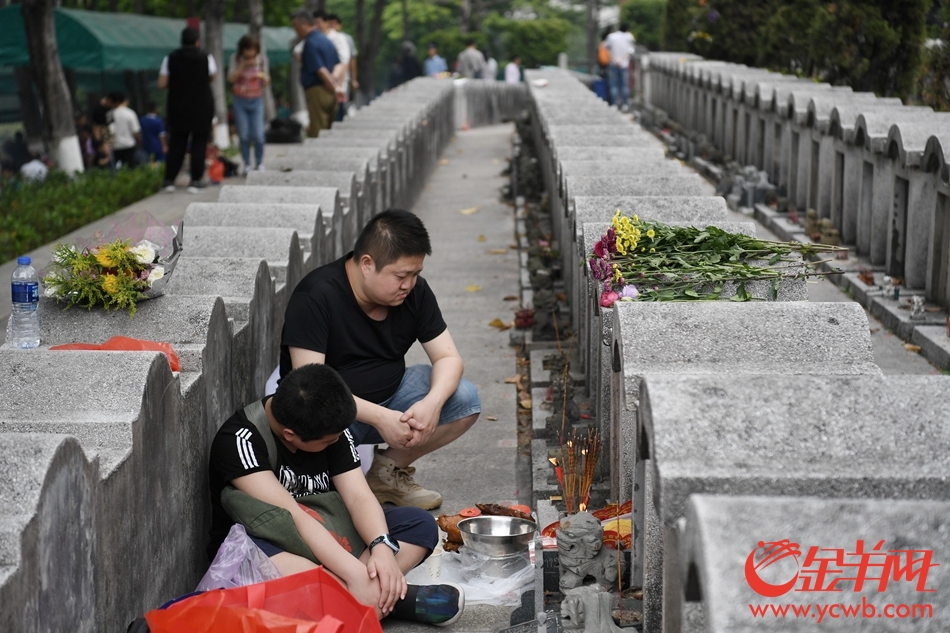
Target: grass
33,214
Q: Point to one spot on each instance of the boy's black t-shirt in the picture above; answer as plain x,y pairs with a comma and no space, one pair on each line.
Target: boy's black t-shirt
324,316
238,449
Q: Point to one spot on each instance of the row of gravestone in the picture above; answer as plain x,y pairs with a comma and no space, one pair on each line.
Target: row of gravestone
103,455
731,424
877,168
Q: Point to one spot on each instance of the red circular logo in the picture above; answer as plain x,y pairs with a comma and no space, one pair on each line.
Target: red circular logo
771,553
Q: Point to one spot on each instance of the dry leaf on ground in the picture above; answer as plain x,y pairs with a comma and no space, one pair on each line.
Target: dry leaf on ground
491,418
513,380
444,161
482,238
511,298
912,348
497,251
525,404
501,325
473,288
469,211
513,247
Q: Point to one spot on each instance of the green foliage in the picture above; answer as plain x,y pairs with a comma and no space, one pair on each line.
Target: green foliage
645,18
783,42
537,42
869,45
677,25
35,213
934,81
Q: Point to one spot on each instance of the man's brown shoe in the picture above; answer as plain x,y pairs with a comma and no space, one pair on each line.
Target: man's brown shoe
395,485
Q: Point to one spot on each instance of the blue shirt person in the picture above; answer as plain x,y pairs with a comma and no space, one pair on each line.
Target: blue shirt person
435,64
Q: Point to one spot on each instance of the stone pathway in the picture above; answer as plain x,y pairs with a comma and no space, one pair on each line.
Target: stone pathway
480,466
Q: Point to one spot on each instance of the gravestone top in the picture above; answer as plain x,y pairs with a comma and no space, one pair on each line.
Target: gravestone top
722,532
779,435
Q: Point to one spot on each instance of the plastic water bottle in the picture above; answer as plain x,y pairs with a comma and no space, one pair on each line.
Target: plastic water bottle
24,321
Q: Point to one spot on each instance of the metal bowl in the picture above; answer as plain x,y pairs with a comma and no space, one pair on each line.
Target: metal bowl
497,536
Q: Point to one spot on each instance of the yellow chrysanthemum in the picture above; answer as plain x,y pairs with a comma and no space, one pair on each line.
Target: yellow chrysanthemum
651,233
628,235
110,283
104,257
652,250
617,273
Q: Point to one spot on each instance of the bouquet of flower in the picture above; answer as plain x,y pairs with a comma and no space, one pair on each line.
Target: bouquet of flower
653,261
114,273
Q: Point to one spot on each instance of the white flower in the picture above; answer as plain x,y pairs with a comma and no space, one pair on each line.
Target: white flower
144,252
156,273
51,292
59,260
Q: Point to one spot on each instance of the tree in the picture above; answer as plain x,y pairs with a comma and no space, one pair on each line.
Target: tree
368,45
783,41
59,128
677,25
214,44
645,18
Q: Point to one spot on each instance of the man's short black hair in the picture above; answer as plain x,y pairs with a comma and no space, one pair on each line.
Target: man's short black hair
189,36
392,234
313,402
151,106
624,27
333,17
319,14
117,97
469,42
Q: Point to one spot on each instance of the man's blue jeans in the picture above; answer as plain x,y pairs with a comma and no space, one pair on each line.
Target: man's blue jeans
249,120
618,85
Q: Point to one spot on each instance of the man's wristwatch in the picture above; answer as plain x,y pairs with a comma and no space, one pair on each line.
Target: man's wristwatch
390,542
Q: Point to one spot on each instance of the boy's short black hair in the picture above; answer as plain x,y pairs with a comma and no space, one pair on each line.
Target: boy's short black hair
151,106
319,14
189,36
116,97
333,17
392,234
313,402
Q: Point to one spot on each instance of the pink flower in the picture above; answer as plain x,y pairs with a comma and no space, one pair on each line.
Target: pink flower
608,298
599,248
629,292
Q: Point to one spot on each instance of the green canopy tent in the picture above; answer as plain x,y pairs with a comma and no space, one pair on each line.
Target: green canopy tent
93,40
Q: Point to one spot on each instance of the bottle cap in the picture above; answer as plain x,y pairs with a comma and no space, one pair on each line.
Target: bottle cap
24,260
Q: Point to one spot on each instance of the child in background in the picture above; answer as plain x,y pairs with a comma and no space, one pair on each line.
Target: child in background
126,130
154,140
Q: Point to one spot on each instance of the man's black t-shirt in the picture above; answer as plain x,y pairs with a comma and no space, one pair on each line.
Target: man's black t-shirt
324,316
99,114
238,449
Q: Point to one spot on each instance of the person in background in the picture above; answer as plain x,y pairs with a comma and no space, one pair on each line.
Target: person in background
491,66
100,116
513,70
249,74
126,131
318,62
435,64
620,43
471,62
341,73
154,138
603,60
334,20
35,170
187,73
283,109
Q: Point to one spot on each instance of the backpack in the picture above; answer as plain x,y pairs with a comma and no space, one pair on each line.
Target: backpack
603,55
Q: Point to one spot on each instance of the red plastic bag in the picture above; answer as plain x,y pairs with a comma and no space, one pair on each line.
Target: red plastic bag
216,171
309,602
126,344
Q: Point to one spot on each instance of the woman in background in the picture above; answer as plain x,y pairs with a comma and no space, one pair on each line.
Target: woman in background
249,74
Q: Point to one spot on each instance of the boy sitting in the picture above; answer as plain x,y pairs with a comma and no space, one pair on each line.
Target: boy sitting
307,418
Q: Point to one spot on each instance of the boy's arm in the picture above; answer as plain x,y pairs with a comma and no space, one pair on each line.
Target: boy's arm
370,522
393,430
265,487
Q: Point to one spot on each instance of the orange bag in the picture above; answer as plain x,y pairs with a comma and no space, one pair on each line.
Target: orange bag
603,55
309,602
126,344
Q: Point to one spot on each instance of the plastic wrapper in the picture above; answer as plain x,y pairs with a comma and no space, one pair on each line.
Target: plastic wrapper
486,580
126,344
239,562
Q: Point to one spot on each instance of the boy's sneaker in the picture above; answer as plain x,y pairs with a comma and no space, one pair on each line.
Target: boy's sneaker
395,485
439,605
196,187
168,186
260,168
246,170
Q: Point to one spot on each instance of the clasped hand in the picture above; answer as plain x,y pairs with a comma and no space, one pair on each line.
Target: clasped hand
412,428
